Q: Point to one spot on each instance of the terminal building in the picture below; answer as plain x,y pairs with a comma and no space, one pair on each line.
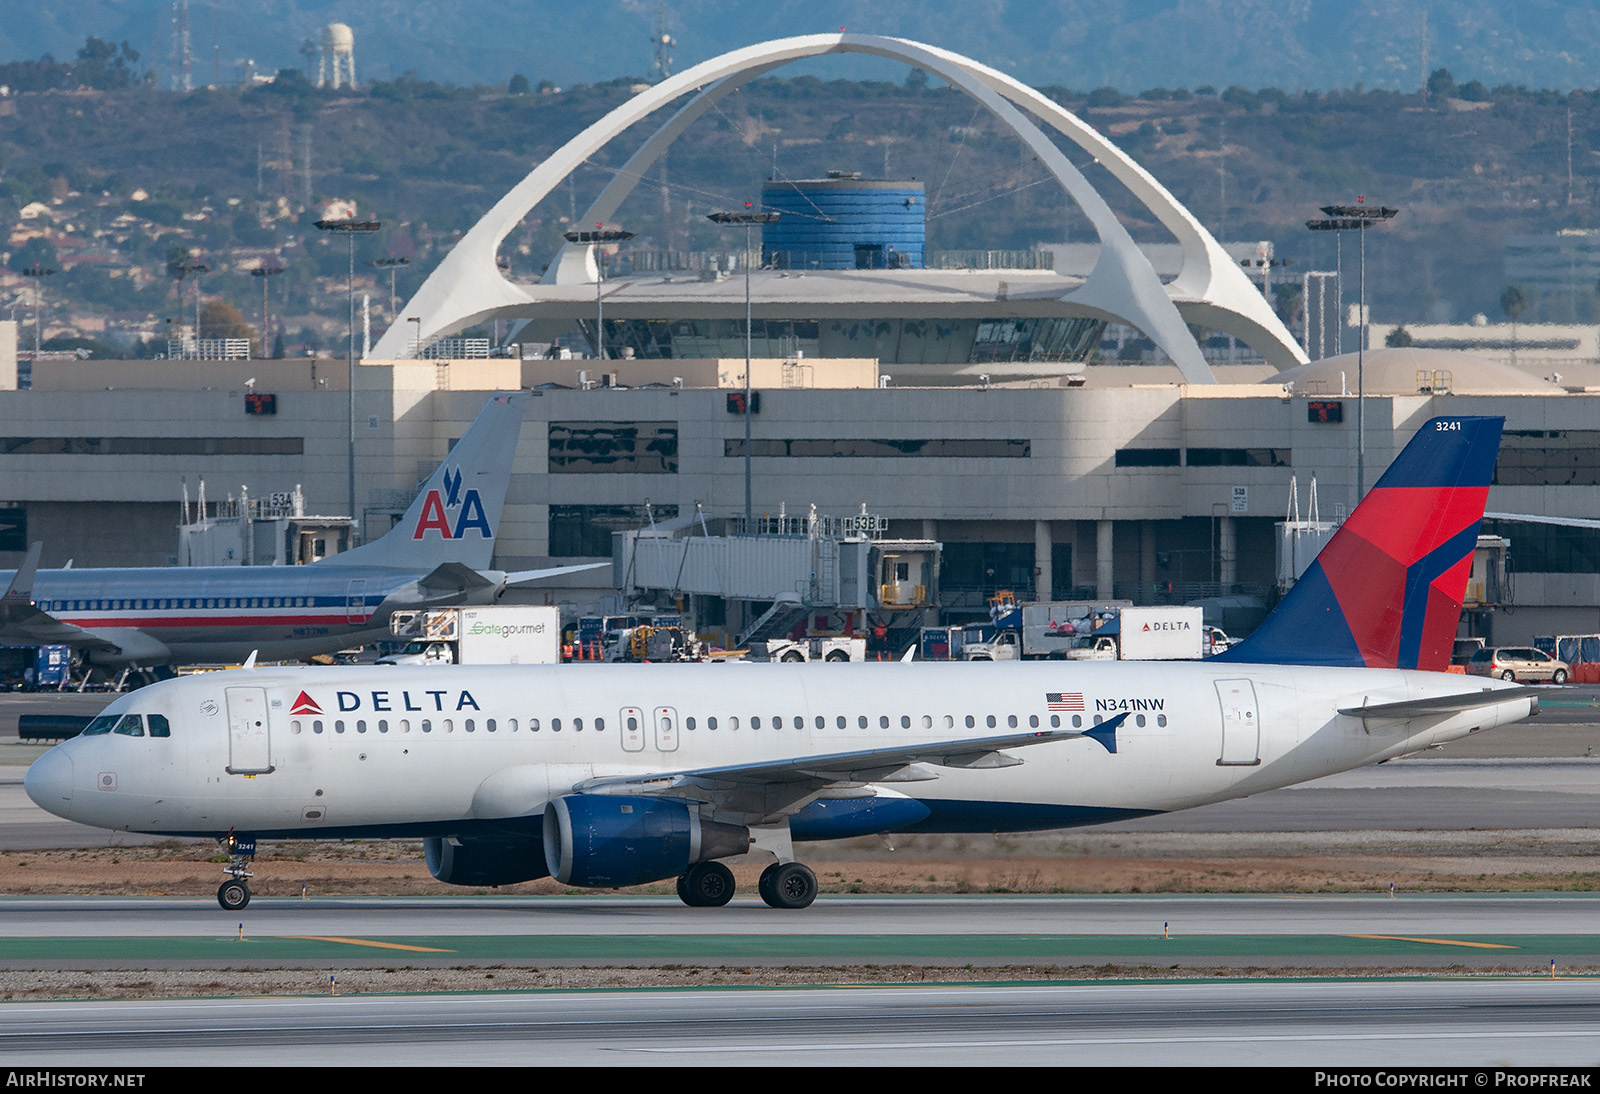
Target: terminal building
921,438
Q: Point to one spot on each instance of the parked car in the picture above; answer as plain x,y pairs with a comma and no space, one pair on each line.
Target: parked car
1518,663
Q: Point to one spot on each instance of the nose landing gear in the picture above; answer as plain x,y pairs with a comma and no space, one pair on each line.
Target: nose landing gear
234,893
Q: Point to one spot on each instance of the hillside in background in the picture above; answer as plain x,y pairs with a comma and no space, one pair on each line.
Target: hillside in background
1127,44
109,185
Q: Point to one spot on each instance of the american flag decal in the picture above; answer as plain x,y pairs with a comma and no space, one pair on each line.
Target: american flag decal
1064,700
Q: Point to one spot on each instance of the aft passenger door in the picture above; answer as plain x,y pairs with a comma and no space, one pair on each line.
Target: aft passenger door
355,601
249,732
1241,724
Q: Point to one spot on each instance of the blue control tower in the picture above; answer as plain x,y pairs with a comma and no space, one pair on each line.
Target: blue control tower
844,222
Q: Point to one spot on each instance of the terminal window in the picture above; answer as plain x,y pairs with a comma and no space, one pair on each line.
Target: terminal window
866,448
1564,457
605,448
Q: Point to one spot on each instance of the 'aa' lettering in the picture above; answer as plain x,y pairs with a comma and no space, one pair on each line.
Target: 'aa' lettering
432,517
472,516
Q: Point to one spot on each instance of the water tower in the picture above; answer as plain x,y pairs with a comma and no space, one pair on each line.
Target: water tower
339,46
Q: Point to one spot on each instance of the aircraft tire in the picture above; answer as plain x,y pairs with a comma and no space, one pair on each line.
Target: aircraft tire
792,885
764,883
706,885
233,895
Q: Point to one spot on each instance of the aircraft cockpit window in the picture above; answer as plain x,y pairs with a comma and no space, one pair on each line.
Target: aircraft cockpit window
100,725
130,725
159,726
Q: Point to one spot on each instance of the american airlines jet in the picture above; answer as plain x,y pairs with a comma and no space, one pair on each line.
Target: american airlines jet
149,617
610,776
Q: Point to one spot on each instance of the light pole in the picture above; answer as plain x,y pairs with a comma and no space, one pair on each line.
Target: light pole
38,273
263,273
180,270
351,228
594,238
1357,218
749,218
391,264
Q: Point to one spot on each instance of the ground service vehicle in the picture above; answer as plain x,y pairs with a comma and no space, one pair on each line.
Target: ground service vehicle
504,634
1518,663
1144,634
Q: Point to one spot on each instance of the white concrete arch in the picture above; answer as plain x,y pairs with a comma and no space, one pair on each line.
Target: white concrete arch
467,287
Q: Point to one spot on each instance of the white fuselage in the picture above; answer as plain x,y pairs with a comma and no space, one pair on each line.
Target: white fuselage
325,752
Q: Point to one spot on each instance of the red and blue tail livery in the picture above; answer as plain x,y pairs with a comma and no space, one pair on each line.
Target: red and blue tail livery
1387,590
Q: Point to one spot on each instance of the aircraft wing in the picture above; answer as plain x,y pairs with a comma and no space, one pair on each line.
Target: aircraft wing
22,623
748,792
527,577
1445,704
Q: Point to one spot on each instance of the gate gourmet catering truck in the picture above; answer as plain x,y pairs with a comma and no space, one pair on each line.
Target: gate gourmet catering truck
504,634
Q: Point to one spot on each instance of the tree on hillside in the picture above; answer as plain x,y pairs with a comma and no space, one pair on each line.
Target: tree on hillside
37,251
220,319
1441,85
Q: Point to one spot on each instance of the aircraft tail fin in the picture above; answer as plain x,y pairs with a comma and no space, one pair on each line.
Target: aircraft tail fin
1387,590
455,517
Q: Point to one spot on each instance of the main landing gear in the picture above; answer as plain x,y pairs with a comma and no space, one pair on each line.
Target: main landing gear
234,893
788,885
782,885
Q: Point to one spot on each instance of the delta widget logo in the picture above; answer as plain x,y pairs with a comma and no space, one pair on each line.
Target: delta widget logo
467,507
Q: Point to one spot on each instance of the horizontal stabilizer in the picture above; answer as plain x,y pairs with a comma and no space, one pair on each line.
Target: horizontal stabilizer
453,577
527,577
1446,704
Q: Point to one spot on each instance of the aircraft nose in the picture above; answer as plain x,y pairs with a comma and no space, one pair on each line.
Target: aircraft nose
49,781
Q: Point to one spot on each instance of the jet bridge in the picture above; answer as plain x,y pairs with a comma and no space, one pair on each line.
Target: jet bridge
811,562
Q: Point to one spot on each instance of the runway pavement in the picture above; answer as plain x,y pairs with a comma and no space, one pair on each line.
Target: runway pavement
1473,1025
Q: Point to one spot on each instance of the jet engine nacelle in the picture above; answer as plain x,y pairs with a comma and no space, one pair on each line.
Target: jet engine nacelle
601,841
480,861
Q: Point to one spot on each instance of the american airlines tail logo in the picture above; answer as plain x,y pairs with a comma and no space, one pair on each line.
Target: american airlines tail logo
467,506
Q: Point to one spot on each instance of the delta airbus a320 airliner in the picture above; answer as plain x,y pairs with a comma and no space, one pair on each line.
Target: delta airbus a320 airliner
438,555
609,776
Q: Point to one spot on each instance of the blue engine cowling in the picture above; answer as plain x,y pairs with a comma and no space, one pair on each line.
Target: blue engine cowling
605,842
485,861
